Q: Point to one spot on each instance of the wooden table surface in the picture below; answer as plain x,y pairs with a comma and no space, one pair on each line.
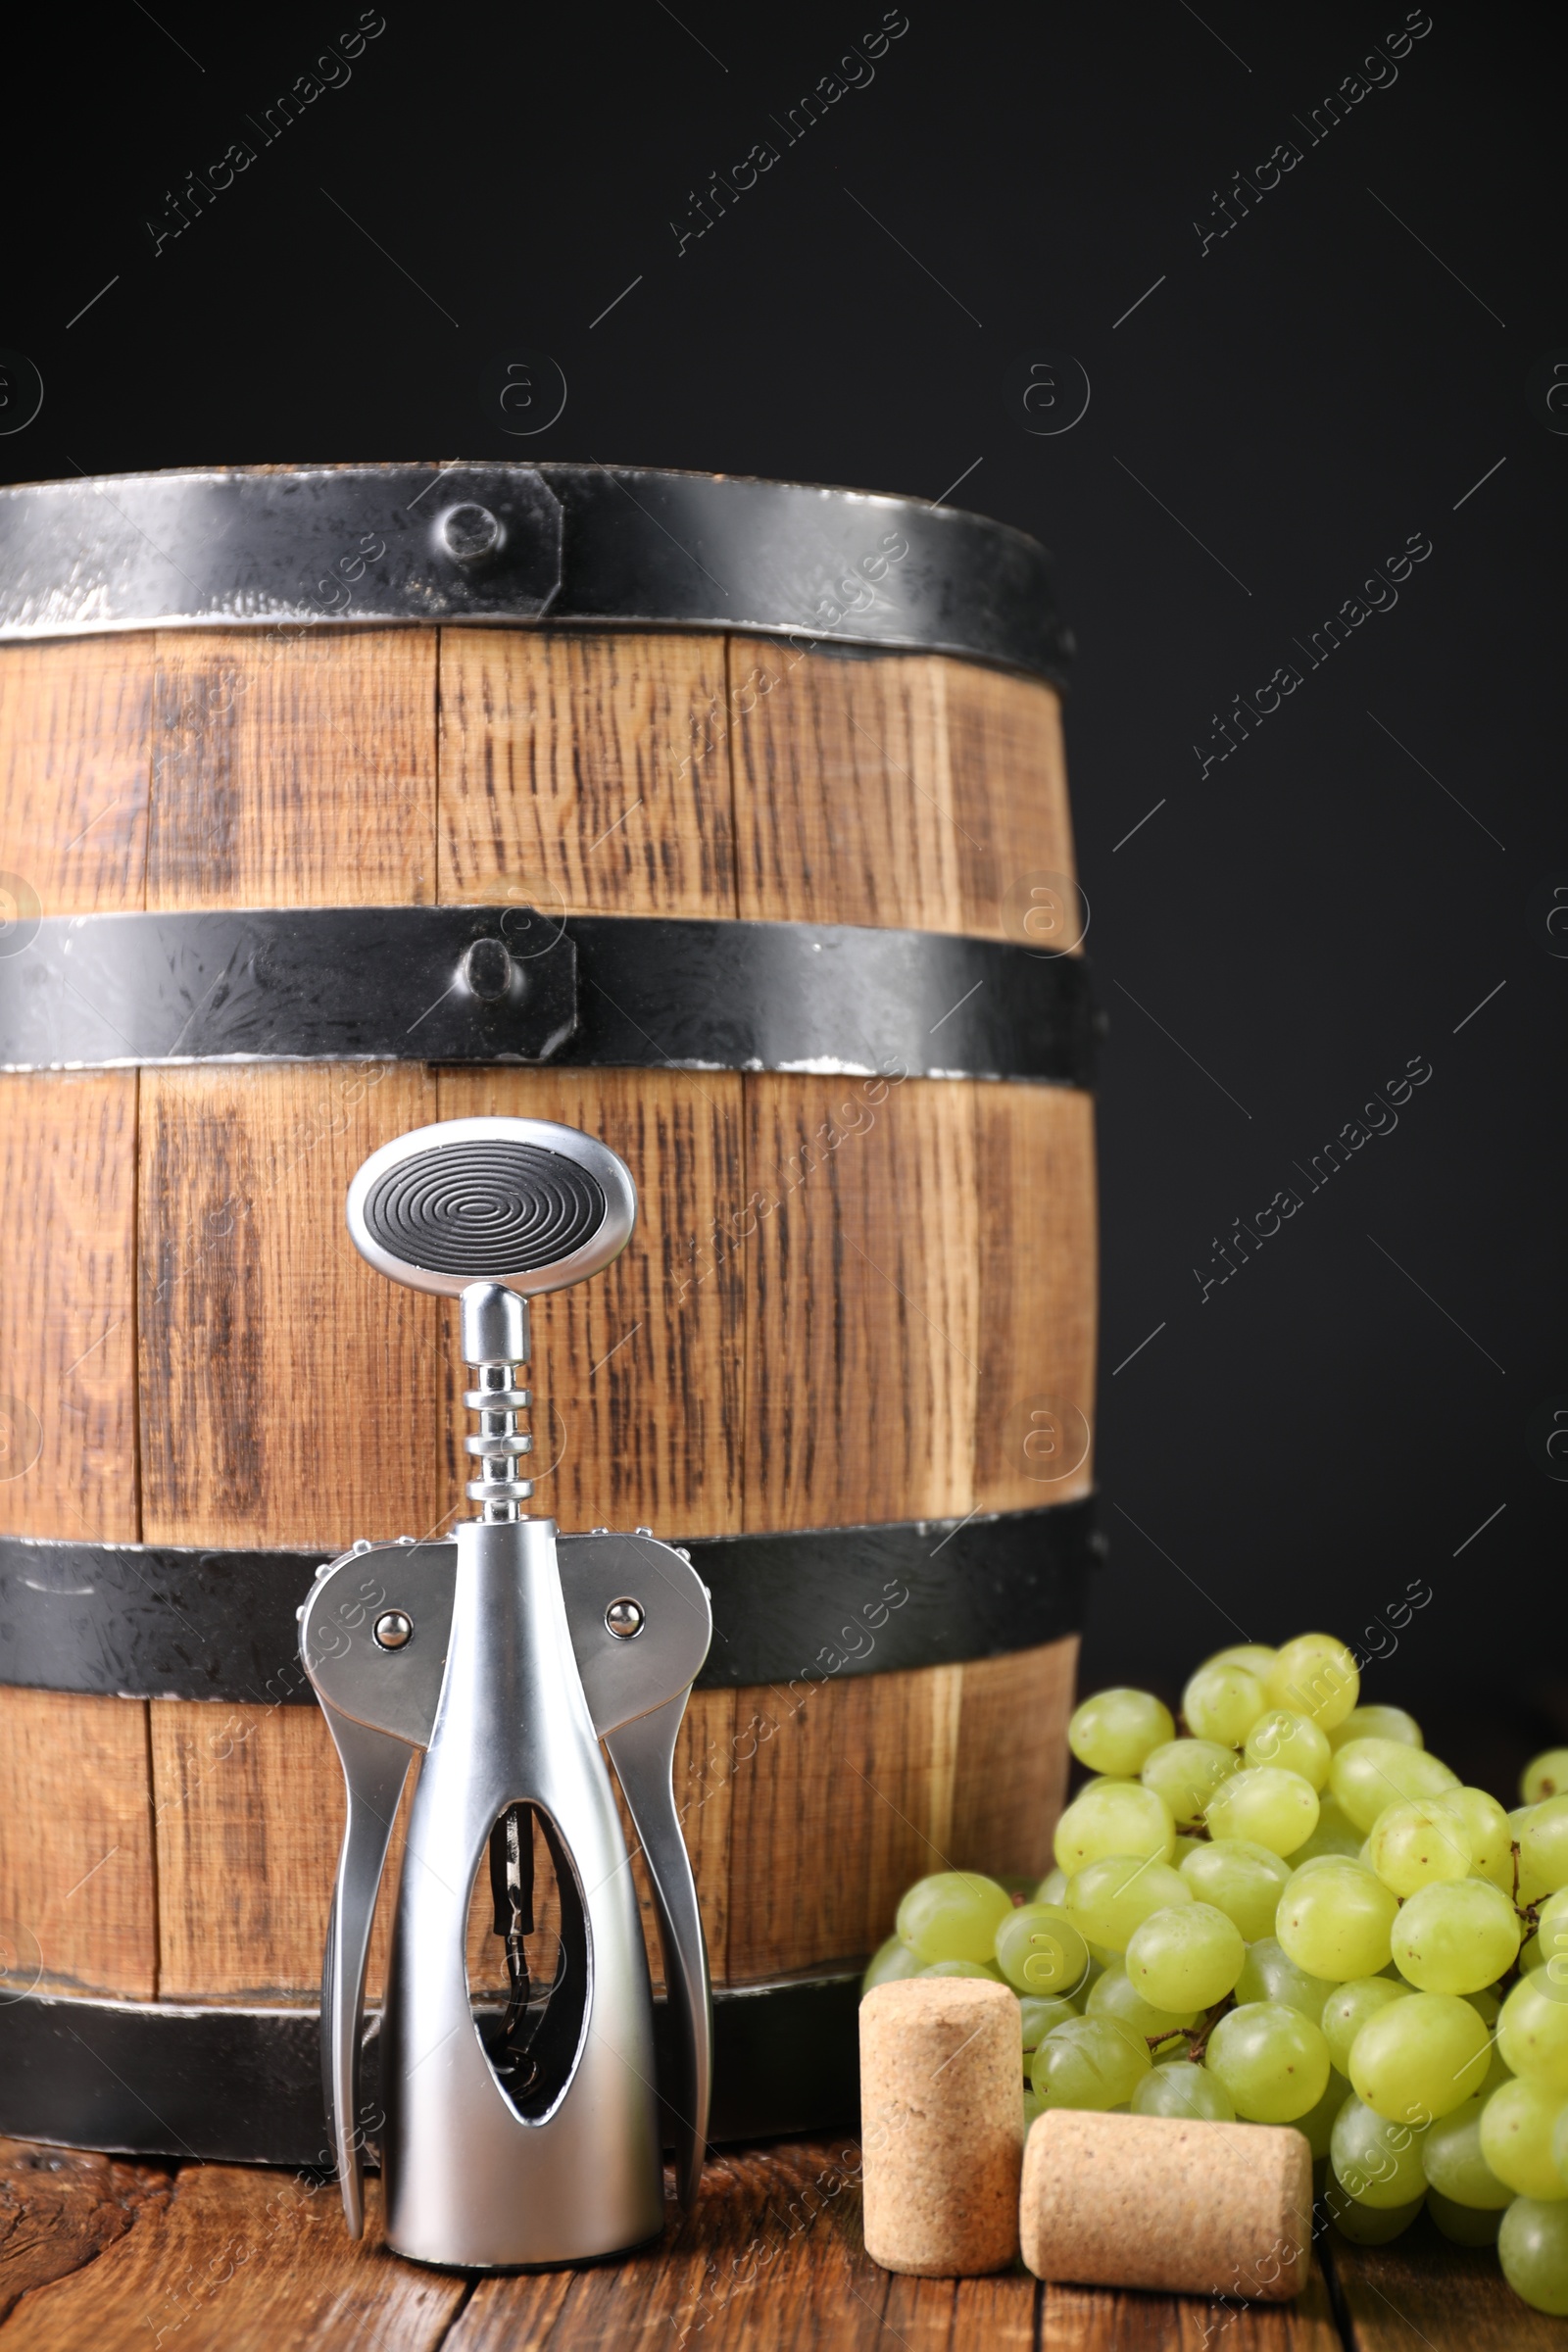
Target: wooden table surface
101,2256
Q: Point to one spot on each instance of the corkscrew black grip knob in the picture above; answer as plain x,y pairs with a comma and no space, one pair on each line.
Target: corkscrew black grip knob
523,1203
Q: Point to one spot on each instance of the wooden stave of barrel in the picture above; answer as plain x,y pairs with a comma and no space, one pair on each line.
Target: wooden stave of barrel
216,1367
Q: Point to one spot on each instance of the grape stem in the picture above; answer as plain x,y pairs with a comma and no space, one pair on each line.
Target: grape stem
1198,2037
1530,1915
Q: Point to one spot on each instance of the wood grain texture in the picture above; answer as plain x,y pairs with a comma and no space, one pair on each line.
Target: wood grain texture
943,2315
1081,2318
846,1798
59,2208
287,1390
241,2261
770,2259
67,1320
1421,2288
74,759
1038,1297
844,795
1010,807
859,1234
78,1904
249,1812
585,774
1010,1769
293,770
898,790
639,1418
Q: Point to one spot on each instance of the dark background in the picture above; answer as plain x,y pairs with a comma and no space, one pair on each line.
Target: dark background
1280,414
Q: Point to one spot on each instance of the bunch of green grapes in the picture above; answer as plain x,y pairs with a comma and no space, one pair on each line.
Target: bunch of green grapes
1285,1910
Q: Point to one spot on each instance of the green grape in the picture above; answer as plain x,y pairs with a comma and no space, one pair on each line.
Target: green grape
1240,1877
1378,1723
1114,1731
1543,1850
1463,2225
1419,2058
1518,2124
1415,1843
1551,1937
1348,2009
1190,2094
1120,1817
1187,1957
1256,1656
1485,2003
1335,1833
1117,1997
1531,1955
1031,2108
1334,1920
1222,1703
1317,2124
1089,2062
1545,1776
1039,1949
1366,2225
1315,1676
1186,1773
953,1915
1457,1937
1533,2031
1378,2161
890,1963
1560,2142
1532,2249
1269,1973
1110,1899
962,1968
1367,1776
1293,1742
1273,2061
1518,1816
1455,2163
1053,1888
1487,1828
1041,2017
1266,1806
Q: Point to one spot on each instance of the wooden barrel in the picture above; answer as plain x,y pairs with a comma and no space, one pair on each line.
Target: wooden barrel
860,1296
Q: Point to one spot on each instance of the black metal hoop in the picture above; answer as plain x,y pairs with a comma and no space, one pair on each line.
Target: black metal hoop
819,1606
624,547
244,2086
508,984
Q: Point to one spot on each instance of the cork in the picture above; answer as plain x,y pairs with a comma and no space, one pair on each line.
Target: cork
941,2125
1150,2201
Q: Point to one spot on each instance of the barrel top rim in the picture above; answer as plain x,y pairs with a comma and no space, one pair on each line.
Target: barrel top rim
334,546
357,468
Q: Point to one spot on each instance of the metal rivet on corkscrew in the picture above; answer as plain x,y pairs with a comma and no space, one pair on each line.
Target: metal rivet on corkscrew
536,2139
